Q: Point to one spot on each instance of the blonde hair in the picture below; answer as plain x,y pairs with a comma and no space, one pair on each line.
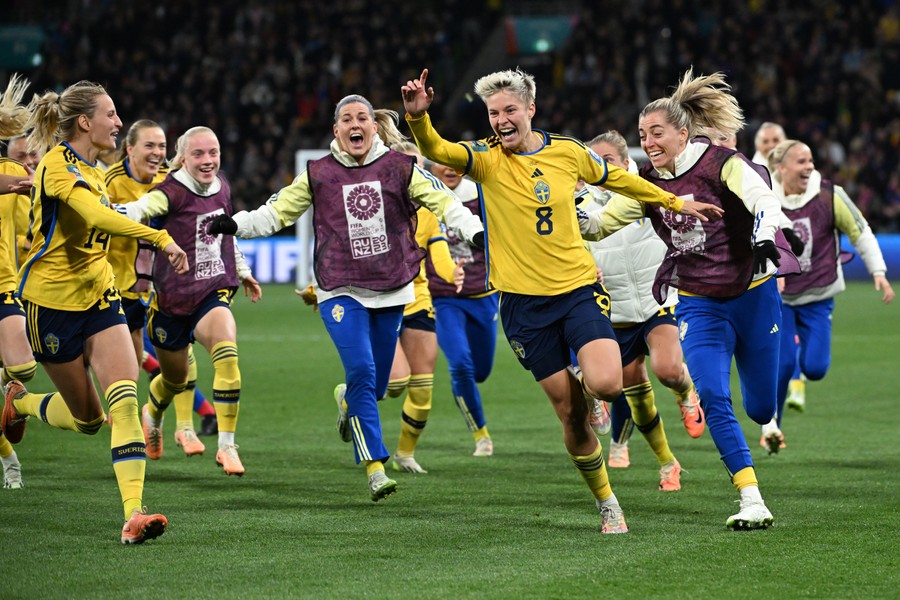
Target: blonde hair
700,102
614,139
181,144
518,83
387,120
54,117
776,156
134,131
13,116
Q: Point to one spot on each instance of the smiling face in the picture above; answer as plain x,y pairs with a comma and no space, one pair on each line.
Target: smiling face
103,126
768,138
661,141
795,169
510,119
201,157
18,151
355,130
147,153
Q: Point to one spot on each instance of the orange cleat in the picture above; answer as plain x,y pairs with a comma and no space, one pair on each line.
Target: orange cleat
11,422
142,527
187,440
153,437
228,459
670,477
692,414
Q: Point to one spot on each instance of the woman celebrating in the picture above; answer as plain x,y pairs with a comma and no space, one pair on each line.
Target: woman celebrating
75,321
366,257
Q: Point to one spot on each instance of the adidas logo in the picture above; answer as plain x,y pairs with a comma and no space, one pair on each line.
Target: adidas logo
537,173
774,329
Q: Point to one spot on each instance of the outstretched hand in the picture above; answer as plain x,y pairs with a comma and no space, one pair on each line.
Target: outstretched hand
416,97
701,210
222,224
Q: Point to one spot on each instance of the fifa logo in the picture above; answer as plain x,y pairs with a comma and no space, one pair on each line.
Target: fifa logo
51,342
160,334
518,348
337,313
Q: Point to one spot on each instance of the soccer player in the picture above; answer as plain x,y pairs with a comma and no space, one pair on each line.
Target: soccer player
466,319
767,137
17,150
820,211
728,305
629,260
197,307
365,197
75,322
550,299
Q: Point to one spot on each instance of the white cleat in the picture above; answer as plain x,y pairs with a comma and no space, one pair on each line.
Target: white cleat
407,464
753,515
12,475
612,518
343,422
599,417
772,438
484,447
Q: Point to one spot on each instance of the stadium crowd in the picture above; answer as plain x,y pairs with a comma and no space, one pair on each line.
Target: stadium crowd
266,75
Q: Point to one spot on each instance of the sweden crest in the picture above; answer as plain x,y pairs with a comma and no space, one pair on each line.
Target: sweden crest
542,191
518,348
160,334
337,313
51,342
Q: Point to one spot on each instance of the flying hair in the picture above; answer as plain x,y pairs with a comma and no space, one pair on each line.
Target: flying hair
700,102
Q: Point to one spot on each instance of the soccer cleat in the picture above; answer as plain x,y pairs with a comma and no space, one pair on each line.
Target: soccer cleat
227,458
343,422
599,417
407,464
618,456
753,515
188,441
381,486
12,476
12,424
142,527
484,447
670,477
692,414
772,438
153,438
612,518
209,425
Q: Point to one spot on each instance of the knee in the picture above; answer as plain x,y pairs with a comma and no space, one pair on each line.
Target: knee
670,375
462,371
761,413
816,370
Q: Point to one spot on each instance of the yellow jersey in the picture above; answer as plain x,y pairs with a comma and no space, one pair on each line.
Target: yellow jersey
429,236
66,268
129,256
534,245
11,225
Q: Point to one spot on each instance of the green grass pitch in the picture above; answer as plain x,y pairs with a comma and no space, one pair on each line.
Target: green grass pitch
518,525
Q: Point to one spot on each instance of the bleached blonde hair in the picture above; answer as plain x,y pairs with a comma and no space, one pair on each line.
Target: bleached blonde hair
518,83
776,156
13,115
700,102
181,144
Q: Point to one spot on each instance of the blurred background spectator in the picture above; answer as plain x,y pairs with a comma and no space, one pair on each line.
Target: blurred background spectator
266,74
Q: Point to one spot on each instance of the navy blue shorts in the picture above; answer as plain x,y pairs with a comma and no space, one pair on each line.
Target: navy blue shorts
174,333
633,339
422,320
543,330
135,313
58,336
10,306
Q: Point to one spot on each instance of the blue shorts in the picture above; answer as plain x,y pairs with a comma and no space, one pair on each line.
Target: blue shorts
541,330
10,306
422,320
58,336
633,339
174,333
135,313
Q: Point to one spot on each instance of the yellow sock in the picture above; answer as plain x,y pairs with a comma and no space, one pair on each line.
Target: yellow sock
184,401
746,477
127,444
23,373
647,420
89,427
373,466
416,408
50,408
396,387
162,392
797,386
6,448
226,385
593,470
683,394
481,433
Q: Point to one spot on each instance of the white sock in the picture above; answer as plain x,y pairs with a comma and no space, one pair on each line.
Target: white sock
611,501
751,494
226,438
10,460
